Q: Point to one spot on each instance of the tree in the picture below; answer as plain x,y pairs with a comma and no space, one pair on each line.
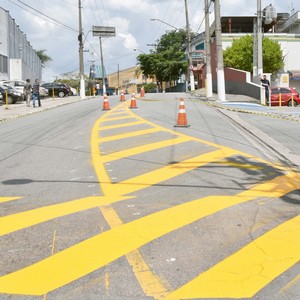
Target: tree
240,55
44,58
168,62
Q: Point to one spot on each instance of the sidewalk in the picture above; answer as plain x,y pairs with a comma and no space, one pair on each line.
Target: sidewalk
243,103
19,109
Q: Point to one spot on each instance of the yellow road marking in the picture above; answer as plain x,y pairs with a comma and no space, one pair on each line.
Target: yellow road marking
127,135
64,265
247,271
290,284
94,253
141,149
36,216
112,118
151,284
7,199
121,125
165,173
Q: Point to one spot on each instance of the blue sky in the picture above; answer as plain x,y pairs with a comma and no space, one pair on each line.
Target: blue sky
134,29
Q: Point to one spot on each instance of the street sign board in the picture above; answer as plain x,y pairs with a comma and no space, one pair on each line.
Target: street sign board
104,31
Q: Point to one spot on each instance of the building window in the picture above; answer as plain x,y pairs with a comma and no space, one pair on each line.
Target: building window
3,64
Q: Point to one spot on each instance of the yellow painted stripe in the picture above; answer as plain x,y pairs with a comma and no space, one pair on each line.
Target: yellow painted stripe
121,125
290,285
29,218
151,283
246,272
277,187
96,252
127,135
7,199
157,176
108,119
141,149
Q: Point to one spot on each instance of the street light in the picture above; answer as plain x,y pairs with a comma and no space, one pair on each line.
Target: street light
159,20
189,54
139,50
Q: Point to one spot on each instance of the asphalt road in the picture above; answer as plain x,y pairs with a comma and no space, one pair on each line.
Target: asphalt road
120,204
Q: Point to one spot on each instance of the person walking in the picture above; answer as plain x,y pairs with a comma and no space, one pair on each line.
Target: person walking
266,83
27,92
36,93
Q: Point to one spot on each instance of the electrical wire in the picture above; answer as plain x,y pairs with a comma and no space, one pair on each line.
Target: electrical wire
44,15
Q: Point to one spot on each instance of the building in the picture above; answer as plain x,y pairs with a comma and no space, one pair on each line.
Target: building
285,30
129,80
18,60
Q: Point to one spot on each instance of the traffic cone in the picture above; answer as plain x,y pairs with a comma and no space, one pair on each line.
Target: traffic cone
181,119
142,93
122,96
132,102
105,103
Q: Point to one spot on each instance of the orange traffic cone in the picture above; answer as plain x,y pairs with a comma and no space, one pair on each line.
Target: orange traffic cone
181,119
122,96
142,93
105,103
132,102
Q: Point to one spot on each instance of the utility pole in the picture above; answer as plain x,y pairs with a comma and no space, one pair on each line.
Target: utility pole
255,47
259,39
207,50
102,66
190,61
81,66
220,65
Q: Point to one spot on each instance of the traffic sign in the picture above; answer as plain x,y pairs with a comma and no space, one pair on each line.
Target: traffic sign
104,31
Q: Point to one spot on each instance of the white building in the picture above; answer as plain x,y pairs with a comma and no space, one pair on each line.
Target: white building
18,60
285,30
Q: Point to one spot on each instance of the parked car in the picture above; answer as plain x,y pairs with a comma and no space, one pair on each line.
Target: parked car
44,92
59,89
12,95
286,96
17,85
73,91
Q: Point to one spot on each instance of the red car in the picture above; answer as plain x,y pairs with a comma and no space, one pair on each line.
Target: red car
286,96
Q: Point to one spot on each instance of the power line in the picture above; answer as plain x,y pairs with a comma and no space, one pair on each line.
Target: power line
44,15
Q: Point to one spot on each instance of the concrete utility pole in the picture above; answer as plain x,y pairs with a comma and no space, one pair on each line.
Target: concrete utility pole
81,66
102,66
207,51
190,61
254,48
220,65
259,39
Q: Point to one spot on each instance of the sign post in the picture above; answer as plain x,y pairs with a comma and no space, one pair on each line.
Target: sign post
103,31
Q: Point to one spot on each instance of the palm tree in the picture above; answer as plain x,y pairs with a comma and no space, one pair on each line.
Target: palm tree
43,57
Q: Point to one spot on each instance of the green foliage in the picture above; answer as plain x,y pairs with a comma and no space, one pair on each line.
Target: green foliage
240,55
272,56
168,61
43,57
150,87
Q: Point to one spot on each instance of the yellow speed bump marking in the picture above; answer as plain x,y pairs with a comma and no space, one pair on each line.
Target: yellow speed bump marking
94,253
247,271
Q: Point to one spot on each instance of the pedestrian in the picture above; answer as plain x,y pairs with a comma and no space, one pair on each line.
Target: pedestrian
266,83
36,93
27,92
97,88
